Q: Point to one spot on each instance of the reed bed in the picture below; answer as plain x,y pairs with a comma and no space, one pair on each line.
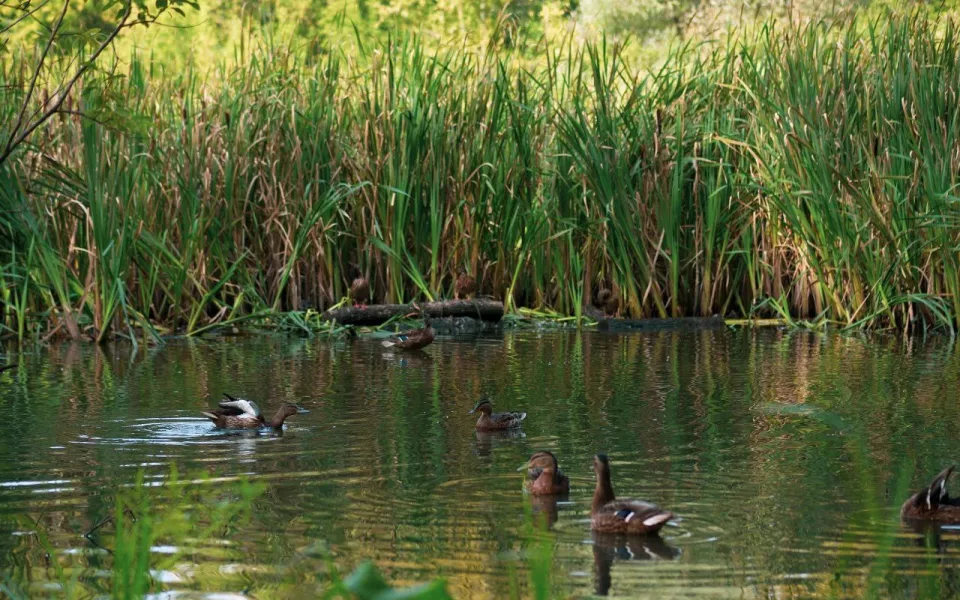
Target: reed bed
808,171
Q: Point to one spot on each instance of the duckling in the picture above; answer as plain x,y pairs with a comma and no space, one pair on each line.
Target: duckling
490,420
237,413
933,503
413,339
360,291
544,476
621,516
466,285
607,301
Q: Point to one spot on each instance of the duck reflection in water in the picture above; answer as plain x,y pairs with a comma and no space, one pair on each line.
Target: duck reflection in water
409,358
608,547
488,440
545,509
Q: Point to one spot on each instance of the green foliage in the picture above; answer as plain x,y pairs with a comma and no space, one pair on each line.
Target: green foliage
143,517
366,583
739,178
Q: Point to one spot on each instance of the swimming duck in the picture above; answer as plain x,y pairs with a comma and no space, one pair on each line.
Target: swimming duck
237,413
466,286
933,503
360,289
621,516
413,339
544,476
490,421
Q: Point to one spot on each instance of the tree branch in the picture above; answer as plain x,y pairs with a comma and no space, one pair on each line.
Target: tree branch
22,17
83,115
33,80
65,91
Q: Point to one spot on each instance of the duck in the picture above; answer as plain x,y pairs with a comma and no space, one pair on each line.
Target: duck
360,290
544,477
491,421
466,285
413,339
608,301
237,413
933,503
609,515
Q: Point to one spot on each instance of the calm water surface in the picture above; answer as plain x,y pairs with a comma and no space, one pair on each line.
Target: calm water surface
783,455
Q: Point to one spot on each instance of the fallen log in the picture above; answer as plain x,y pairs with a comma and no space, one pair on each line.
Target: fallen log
483,309
670,324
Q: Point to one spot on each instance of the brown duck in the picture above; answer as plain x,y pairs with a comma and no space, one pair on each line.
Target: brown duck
607,301
610,515
237,413
466,285
933,503
360,290
491,421
544,477
413,339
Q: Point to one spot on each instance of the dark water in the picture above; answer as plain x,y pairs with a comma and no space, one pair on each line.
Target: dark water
783,455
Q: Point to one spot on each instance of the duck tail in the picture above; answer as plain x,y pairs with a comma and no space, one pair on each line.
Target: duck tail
658,520
388,344
211,416
937,492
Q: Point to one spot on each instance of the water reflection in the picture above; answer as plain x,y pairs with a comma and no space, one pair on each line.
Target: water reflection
486,441
546,509
388,466
611,547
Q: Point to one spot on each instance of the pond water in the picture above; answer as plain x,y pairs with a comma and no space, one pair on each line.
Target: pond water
784,455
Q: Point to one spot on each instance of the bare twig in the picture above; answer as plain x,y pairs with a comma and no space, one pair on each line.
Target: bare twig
65,90
33,81
83,115
23,16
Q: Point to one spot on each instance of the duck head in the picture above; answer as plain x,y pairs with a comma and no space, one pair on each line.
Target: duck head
542,461
483,406
290,409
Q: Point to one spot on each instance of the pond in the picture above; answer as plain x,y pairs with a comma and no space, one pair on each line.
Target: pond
784,455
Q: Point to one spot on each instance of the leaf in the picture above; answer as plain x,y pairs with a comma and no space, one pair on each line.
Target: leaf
367,583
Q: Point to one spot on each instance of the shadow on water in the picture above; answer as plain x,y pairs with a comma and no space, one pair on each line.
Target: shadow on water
784,456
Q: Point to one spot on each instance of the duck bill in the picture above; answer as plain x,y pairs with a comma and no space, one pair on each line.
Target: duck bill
522,467
302,411
472,411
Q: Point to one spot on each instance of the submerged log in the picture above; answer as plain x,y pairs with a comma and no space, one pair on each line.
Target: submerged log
483,309
670,324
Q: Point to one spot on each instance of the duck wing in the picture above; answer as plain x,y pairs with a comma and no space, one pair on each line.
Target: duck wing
244,407
508,419
933,497
650,515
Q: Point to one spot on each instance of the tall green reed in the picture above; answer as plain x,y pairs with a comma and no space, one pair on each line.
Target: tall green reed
809,165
